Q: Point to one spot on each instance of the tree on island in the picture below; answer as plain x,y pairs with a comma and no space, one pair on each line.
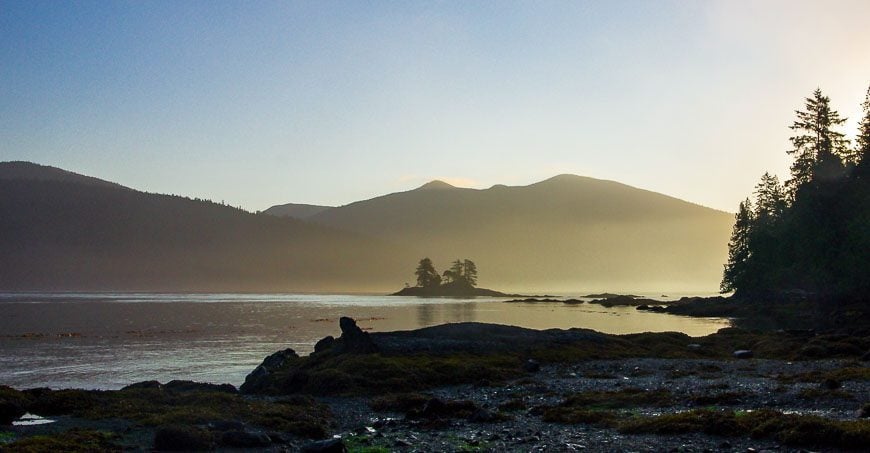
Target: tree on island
427,276
461,273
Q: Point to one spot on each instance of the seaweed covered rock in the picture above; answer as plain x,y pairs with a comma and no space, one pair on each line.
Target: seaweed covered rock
353,340
182,438
191,386
259,379
13,404
245,439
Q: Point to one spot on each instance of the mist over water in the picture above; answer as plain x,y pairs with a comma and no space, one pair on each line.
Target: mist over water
109,340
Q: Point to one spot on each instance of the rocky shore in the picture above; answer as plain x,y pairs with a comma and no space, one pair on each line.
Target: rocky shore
483,387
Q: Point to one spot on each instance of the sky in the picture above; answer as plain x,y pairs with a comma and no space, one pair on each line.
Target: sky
327,102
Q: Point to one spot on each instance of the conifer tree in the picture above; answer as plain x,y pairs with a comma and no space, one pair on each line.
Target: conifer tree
427,276
470,273
818,149
862,141
770,202
739,252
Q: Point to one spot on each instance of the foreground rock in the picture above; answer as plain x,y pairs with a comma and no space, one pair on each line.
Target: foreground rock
359,363
474,386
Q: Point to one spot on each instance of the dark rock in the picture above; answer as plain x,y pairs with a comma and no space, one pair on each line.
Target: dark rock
182,438
191,386
482,416
144,385
814,351
245,439
830,384
324,344
403,443
642,307
866,357
10,411
258,379
278,359
434,408
864,411
694,347
325,446
226,425
725,445
278,438
532,366
353,340
743,354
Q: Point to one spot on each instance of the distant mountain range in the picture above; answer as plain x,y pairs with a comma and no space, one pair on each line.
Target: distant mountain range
63,231
296,210
563,234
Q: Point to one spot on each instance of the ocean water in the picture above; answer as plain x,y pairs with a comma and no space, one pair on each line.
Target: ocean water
109,340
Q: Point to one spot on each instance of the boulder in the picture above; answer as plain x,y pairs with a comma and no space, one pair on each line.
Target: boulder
182,386
245,439
13,404
226,425
278,359
532,366
482,416
353,340
324,344
325,446
830,384
182,438
9,412
258,379
743,354
144,385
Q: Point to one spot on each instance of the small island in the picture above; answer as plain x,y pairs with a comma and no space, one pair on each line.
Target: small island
458,281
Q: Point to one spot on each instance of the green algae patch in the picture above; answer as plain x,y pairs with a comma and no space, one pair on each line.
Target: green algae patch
790,429
572,415
848,373
72,441
621,399
367,374
159,406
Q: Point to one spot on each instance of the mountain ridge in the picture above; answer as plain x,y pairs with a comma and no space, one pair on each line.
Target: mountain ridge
568,233
67,234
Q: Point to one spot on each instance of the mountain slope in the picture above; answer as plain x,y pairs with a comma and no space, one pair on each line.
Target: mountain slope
28,171
296,210
566,233
66,233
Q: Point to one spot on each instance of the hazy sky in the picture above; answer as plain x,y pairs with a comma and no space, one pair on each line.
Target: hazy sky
259,103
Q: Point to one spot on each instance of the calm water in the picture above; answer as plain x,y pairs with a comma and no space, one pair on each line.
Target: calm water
110,340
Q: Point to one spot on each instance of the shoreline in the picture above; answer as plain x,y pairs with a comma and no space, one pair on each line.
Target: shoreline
485,393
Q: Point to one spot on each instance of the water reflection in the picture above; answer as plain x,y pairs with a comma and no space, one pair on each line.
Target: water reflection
111,342
425,315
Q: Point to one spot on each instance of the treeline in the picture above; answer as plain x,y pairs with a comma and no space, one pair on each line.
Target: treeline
461,273
811,234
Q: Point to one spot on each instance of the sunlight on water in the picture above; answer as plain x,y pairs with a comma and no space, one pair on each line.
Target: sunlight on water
111,340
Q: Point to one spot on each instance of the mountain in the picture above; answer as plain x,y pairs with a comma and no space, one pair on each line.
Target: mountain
296,210
28,171
63,231
567,233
